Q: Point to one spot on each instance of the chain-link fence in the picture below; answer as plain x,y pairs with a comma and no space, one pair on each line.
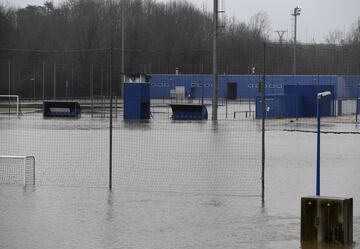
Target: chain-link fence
162,154
158,155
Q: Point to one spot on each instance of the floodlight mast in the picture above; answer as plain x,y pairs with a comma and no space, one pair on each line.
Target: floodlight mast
297,11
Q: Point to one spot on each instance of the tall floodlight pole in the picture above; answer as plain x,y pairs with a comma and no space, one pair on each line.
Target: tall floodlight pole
215,74
318,114
296,13
122,49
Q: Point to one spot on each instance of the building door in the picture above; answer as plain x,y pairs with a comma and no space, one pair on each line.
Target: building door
231,91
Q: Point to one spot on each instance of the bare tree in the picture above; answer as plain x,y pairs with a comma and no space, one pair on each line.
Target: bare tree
335,37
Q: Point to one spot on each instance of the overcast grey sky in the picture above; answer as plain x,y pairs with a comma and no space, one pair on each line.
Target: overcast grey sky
317,18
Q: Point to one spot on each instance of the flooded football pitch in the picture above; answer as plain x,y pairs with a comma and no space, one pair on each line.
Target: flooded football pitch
175,184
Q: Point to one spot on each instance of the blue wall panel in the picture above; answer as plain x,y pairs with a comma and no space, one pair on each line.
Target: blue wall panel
308,94
350,87
280,106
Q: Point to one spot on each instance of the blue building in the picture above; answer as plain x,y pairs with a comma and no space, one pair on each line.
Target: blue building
136,97
246,86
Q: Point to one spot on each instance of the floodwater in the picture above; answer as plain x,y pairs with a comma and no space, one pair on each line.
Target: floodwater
175,184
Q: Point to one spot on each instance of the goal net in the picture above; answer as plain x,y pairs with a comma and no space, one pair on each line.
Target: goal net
10,104
17,170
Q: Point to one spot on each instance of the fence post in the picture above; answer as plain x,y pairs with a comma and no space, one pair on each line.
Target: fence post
263,131
357,109
110,126
116,105
92,89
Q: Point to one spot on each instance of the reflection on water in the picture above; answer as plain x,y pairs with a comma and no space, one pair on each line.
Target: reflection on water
54,217
308,245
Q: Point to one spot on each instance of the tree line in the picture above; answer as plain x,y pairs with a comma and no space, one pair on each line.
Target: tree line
74,44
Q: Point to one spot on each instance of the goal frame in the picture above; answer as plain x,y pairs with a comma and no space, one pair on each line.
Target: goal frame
17,101
24,165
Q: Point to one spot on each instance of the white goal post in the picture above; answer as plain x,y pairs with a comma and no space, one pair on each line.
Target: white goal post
9,97
17,170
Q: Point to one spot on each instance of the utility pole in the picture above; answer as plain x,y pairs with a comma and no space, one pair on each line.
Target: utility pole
215,73
281,40
281,35
296,13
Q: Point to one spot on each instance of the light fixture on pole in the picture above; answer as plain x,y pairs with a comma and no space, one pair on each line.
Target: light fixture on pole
297,11
318,114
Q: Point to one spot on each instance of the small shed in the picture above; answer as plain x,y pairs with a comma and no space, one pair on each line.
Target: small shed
136,96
